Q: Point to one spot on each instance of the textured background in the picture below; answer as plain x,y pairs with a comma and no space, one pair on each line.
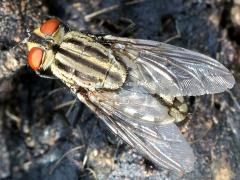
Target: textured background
40,120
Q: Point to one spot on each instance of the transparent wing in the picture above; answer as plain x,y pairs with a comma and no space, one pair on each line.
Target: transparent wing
140,120
169,70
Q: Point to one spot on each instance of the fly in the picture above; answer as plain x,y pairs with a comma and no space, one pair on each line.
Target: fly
135,86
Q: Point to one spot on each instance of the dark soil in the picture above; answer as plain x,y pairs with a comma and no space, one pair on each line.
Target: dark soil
40,120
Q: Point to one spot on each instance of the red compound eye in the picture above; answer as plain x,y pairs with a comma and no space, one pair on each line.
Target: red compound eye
49,27
35,56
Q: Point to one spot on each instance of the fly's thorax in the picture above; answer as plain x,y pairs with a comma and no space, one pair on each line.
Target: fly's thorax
177,107
86,63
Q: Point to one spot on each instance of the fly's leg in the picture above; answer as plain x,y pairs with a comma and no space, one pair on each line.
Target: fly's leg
178,34
130,27
45,76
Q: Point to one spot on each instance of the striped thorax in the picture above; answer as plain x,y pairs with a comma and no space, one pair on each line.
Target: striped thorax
74,57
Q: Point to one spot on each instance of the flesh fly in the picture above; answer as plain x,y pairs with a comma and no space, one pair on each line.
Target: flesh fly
135,86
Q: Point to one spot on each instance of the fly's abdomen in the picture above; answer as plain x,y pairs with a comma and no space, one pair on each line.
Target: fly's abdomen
82,62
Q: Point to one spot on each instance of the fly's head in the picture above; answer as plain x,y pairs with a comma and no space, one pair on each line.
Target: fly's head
42,42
